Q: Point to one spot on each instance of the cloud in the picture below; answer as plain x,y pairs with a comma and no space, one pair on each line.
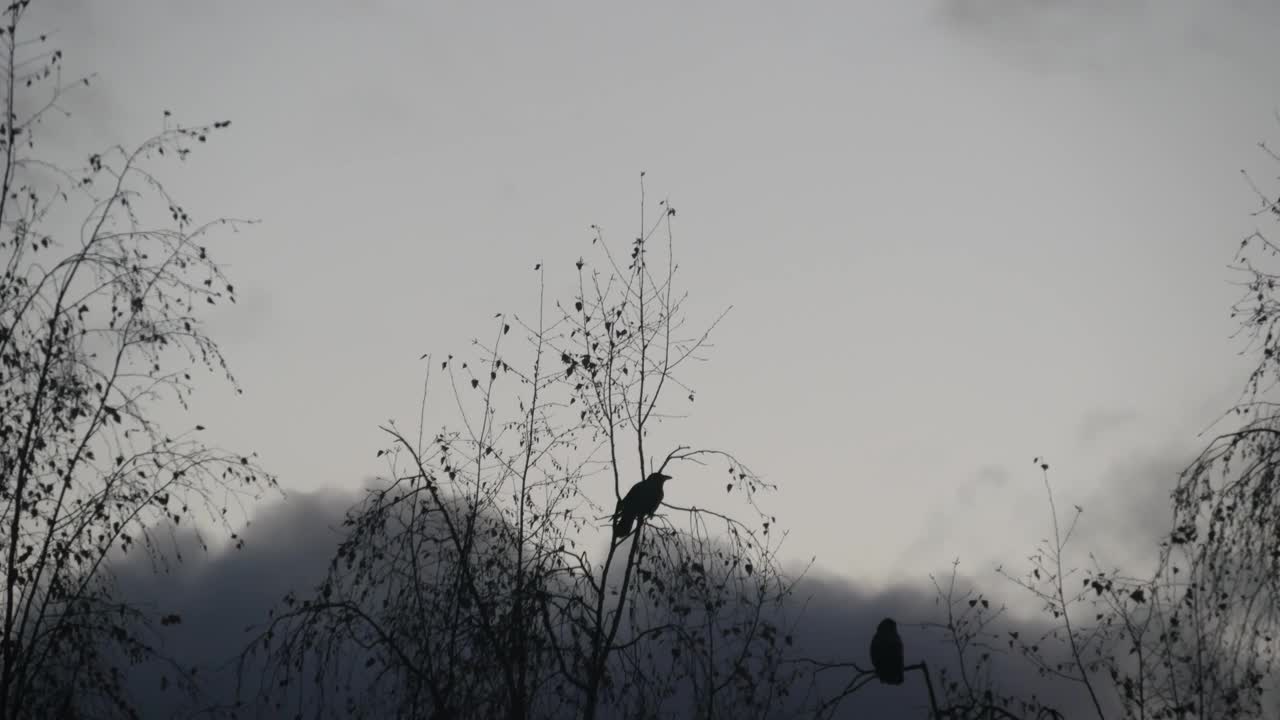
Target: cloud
289,545
986,478
992,12
953,516
1052,35
1131,508
222,593
840,617
1100,423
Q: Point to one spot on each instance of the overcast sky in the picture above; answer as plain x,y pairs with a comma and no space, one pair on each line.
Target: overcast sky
956,235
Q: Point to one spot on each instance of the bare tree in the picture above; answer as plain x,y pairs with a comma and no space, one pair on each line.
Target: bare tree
1225,546
1196,637
98,332
1135,646
482,579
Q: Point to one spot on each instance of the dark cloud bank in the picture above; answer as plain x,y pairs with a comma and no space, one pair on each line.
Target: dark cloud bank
222,593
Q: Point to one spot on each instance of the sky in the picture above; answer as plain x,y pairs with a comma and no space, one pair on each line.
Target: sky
955,235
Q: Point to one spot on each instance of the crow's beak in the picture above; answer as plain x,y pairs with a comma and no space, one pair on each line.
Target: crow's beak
664,477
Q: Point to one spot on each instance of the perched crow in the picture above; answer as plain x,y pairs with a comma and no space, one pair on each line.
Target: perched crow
641,501
886,653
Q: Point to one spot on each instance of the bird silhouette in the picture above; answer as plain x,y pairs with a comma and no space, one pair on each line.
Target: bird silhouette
641,501
886,653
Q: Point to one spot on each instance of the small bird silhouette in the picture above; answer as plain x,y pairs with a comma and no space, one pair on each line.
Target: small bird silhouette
641,501
886,653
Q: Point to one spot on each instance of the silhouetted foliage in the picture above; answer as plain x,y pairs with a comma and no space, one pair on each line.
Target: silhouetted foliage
468,586
1196,636
97,332
1132,645
1223,554
497,569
